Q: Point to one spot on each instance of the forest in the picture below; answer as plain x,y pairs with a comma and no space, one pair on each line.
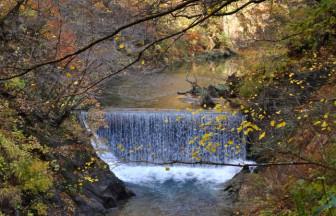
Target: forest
168,107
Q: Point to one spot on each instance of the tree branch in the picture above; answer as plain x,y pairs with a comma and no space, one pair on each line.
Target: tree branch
94,43
169,11
290,163
195,23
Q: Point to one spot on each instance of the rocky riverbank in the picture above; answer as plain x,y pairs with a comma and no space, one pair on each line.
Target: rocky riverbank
70,178
86,181
289,105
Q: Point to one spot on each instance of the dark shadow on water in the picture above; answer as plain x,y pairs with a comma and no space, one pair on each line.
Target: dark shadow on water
172,198
180,191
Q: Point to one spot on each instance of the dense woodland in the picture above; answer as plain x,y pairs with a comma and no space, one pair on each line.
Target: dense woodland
56,56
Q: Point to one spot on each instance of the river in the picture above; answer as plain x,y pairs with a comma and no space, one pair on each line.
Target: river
163,127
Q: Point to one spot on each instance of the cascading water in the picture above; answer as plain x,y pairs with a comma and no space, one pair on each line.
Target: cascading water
135,141
169,135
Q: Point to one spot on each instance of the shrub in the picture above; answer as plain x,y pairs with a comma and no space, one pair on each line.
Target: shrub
315,26
314,198
40,208
33,175
15,84
22,173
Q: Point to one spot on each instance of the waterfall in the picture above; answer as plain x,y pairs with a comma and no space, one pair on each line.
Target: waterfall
163,136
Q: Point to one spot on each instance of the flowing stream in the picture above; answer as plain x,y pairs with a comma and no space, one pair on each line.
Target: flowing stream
141,144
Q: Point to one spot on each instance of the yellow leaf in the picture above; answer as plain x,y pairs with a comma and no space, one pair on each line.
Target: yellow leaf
195,154
68,75
281,124
143,62
122,46
72,67
317,122
272,123
324,124
246,132
239,129
255,127
262,135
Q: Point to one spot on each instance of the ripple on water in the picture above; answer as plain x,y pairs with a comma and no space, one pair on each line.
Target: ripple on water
180,191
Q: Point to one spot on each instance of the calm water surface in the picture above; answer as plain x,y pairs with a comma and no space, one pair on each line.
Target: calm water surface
159,90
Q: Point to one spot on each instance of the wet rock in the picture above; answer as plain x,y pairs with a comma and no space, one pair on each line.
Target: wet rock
212,91
100,197
76,160
230,192
209,94
216,54
206,101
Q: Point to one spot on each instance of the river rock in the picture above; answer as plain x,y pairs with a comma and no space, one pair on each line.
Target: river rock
72,156
230,192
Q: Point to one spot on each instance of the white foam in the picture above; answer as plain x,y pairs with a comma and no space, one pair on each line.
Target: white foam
160,174
146,174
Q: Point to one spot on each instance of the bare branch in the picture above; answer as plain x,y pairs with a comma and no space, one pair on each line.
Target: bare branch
195,23
94,43
161,14
289,163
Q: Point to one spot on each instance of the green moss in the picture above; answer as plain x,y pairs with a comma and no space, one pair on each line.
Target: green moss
15,84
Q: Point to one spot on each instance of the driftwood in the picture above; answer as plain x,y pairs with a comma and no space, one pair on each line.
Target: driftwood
227,91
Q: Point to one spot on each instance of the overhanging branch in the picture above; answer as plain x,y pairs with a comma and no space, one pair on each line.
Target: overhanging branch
243,165
117,31
94,43
195,23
